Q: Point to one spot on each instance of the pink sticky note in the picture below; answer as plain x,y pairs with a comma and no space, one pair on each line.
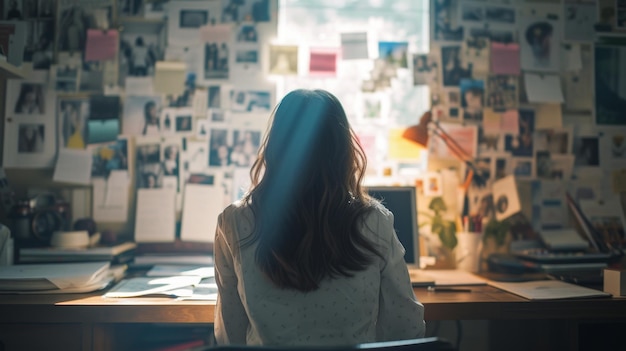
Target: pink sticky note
323,62
510,122
101,44
505,58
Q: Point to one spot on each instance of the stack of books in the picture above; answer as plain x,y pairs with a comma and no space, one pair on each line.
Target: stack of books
116,254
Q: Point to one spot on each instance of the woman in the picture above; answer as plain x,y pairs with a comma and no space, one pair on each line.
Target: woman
306,257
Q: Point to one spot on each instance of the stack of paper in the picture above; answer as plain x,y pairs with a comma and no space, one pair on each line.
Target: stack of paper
58,277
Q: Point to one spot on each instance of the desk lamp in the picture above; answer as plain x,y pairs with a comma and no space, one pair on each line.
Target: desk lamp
420,134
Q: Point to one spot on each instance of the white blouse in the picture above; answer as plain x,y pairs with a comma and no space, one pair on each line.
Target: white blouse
376,304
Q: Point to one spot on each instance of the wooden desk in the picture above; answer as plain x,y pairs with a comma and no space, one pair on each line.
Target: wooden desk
91,322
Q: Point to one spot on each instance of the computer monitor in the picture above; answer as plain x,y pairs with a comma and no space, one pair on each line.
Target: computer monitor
401,201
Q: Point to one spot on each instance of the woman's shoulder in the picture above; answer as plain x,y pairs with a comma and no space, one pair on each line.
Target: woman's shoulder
236,219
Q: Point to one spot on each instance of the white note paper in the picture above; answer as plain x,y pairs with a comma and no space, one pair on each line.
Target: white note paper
155,217
110,197
201,206
73,166
543,88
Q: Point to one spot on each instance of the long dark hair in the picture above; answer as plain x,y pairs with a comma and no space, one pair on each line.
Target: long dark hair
306,194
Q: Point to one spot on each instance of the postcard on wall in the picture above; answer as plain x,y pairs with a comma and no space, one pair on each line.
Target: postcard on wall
246,10
444,24
613,149
247,48
521,143
586,148
29,124
425,69
557,141
109,157
452,67
465,136
579,19
283,60
610,70
523,167
476,52
607,217
539,43
250,100
354,46
323,61
578,85
65,78
502,92
472,99
394,53
140,49
141,115
73,166
548,116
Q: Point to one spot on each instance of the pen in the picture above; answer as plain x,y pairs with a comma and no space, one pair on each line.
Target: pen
435,289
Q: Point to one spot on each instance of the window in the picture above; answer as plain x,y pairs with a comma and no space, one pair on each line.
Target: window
377,104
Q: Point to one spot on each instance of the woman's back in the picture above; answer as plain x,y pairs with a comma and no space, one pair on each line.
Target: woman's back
346,310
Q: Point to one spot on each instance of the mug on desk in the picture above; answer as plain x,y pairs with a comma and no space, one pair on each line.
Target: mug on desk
467,251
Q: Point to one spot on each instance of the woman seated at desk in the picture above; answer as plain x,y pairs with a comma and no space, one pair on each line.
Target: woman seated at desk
307,257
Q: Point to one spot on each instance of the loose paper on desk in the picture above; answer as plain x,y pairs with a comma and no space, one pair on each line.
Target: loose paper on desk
505,58
101,44
548,290
548,116
169,77
542,88
110,197
201,206
73,166
354,46
155,219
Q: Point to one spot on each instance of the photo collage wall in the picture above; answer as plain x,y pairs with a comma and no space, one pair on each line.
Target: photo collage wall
533,90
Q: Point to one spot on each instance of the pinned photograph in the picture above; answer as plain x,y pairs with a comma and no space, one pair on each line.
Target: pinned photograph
31,138
444,26
142,115
149,173
196,155
579,19
74,20
245,146
521,144
489,142
555,141
502,92
193,18
475,53
186,17
183,122
523,167
250,101
170,164
39,48
247,33
130,8
424,69
586,150
472,12
245,10
72,117
219,147
501,166
216,56
498,35
452,69
283,59
139,52
202,128
323,62
500,14
472,95
394,53
538,44
30,99
216,115
354,46
109,157
65,78
433,184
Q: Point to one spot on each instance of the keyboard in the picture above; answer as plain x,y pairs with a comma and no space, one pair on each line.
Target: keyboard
546,256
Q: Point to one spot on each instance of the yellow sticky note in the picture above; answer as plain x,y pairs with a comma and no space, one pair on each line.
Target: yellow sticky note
491,120
548,116
169,77
618,180
400,148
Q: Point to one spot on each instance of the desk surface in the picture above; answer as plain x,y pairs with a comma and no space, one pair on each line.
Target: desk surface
484,302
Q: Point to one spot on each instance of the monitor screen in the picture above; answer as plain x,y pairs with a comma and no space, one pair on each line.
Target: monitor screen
401,201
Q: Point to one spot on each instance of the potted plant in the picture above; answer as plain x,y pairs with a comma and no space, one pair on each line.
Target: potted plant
444,229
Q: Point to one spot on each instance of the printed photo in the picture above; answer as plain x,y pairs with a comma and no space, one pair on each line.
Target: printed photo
247,56
216,60
250,101
130,8
142,115
31,99
245,147
67,78
170,163
523,167
72,115
586,151
202,128
31,137
215,96
394,53
579,19
501,166
555,141
610,97
216,115
494,34
452,68
193,18
539,50
521,144
219,147
245,10
149,172
139,52
444,26
424,69
500,14
39,48
184,123
73,22
475,53
13,10
502,92
109,157
472,94
247,33
472,12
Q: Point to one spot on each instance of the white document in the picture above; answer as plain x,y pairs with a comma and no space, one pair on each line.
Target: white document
543,88
110,197
155,218
354,46
139,86
73,166
548,290
140,286
168,270
60,275
452,277
572,58
201,206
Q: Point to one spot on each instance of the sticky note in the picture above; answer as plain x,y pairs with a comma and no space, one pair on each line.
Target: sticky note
548,116
323,62
400,148
101,44
505,58
169,77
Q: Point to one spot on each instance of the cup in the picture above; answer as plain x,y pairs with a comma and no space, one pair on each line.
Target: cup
467,250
